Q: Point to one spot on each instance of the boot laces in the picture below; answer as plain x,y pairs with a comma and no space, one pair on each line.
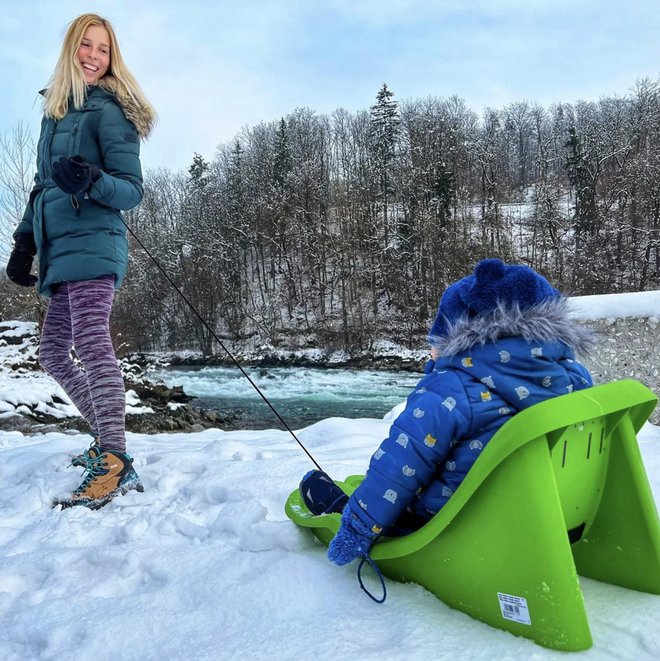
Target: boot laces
84,455
95,468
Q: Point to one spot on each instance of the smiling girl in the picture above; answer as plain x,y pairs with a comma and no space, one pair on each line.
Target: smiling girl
88,171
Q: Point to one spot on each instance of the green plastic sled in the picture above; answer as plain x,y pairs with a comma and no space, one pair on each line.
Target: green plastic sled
560,490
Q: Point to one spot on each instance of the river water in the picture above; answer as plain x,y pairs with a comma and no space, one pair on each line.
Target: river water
301,396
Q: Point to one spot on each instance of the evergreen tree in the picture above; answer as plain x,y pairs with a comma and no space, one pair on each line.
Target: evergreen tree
384,133
198,172
282,162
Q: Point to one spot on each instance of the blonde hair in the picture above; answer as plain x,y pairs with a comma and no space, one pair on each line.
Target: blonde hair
68,82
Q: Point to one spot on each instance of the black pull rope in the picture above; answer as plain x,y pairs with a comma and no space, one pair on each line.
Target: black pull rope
215,337
221,343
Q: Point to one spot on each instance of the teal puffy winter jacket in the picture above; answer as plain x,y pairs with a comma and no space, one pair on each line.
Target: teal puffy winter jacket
83,237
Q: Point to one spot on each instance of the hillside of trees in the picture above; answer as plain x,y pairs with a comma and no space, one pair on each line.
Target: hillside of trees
339,230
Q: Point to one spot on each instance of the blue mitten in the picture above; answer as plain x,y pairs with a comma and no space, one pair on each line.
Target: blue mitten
353,539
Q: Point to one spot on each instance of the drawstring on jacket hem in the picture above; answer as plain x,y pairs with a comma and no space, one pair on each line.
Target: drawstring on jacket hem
75,204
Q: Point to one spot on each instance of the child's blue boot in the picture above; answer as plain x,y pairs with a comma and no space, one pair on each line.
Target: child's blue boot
321,494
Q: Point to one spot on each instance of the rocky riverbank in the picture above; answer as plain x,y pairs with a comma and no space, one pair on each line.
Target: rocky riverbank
384,357
31,402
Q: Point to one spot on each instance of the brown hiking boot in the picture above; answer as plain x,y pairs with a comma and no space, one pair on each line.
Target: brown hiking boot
109,474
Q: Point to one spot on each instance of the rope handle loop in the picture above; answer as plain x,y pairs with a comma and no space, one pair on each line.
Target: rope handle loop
367,558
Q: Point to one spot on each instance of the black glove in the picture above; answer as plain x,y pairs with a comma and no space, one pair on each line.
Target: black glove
20,261
74,175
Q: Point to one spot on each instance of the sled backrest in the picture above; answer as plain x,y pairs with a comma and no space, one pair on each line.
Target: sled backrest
580,457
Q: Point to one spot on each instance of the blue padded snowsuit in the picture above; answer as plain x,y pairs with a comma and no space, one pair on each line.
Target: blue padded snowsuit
450,417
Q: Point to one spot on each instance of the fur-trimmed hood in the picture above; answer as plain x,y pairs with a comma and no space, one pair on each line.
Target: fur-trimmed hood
546,322
141,116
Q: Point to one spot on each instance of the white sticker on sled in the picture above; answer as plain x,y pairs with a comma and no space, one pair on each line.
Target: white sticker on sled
514,608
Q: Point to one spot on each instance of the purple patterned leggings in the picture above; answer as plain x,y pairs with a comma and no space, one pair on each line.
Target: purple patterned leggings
79,317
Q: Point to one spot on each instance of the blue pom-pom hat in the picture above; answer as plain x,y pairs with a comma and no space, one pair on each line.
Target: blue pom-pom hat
492,285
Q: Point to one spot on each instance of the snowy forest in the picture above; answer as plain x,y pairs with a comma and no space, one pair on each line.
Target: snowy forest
345,228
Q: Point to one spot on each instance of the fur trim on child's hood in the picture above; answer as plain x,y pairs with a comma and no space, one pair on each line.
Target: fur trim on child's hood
546,322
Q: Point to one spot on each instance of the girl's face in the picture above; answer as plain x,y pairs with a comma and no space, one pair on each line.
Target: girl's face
94,53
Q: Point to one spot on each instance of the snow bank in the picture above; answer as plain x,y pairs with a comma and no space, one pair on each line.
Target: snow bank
617,306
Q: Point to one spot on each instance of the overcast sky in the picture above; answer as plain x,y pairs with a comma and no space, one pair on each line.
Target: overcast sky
210,68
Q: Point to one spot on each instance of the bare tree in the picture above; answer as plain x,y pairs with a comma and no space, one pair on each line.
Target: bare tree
17,158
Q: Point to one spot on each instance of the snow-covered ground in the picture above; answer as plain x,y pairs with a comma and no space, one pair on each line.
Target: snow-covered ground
205,565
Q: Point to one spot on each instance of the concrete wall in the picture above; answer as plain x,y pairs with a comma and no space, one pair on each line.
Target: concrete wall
628,347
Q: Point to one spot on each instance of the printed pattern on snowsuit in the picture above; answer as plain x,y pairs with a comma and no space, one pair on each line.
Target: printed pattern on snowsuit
79,317
450,418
